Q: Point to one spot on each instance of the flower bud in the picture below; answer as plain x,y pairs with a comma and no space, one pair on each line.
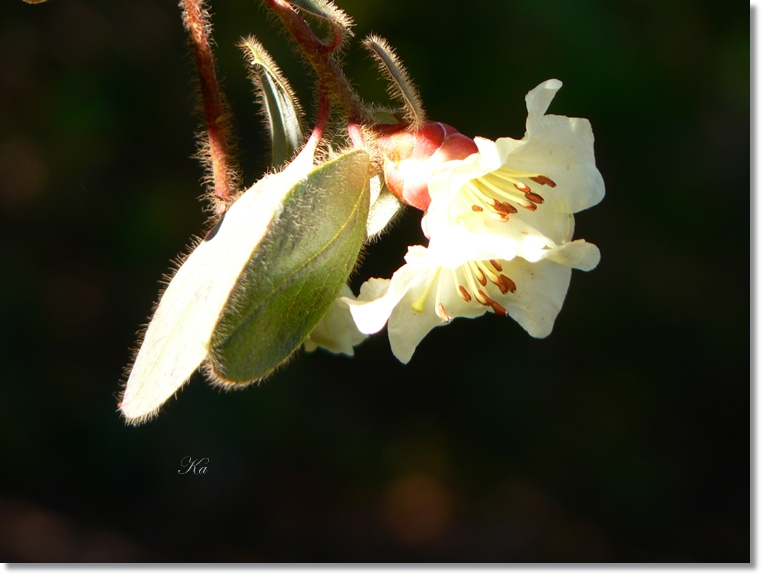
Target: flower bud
410,157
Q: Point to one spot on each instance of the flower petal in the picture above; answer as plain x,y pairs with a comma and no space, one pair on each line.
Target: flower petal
408,327
383,208
578,254
562,149
374,305
538,100
540,291
337,331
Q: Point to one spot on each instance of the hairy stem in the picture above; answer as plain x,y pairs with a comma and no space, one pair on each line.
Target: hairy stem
324,112
321,56
219,133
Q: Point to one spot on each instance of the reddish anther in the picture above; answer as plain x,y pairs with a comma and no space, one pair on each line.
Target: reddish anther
532,197
506,284
543,181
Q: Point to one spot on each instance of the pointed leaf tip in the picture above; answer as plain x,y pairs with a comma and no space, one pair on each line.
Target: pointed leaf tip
279,103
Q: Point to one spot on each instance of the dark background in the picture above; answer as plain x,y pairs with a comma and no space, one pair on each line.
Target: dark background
624,436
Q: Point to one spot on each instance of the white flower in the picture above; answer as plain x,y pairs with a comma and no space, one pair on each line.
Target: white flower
521,192
337,331
432,288
500,224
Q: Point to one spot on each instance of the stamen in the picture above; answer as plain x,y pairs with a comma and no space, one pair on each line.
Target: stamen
503,192
531,207
499,214
481,297
466,268
496,265
477,208
506,284
496,307
532,197
543,180
508,208
438,303
480,199
464,293
498,191
490,274
481,278
474,192
522,187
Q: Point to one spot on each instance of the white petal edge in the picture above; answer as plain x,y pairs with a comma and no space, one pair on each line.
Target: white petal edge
538,100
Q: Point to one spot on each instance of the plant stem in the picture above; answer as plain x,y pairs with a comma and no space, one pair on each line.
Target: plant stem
321,56
218,129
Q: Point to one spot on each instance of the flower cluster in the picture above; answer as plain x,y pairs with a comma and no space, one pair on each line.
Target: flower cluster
500,223
269,277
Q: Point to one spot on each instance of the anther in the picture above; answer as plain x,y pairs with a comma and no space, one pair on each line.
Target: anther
481,278
531,207
496,265
477,208
532,197
464,293
522,187
543,180
481,297
508,208
506,284
496,307
442,313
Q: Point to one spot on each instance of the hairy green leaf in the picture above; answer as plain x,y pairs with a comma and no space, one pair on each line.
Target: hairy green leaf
176,341
400,85
295,273
279,102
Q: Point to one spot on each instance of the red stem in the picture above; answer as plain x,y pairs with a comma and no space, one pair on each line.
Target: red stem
196,20
324,112
330,74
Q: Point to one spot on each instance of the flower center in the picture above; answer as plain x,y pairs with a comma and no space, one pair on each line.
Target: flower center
499,192
474,275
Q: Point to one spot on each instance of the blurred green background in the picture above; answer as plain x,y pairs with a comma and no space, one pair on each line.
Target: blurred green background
624,436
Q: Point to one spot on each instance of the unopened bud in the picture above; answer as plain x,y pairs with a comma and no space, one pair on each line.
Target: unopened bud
411,156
